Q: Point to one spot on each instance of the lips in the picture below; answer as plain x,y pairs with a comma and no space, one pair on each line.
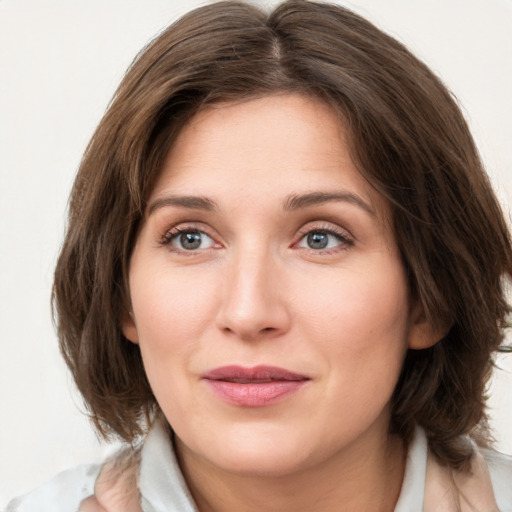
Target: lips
258,386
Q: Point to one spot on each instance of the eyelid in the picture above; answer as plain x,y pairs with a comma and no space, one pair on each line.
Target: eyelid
171,233
345,237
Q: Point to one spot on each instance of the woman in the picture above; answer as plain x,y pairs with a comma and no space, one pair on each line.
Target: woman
285,262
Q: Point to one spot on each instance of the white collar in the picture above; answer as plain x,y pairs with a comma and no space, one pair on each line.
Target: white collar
161,483
413,486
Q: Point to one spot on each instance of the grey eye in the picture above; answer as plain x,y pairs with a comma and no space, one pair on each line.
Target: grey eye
191,240
317,240
321,239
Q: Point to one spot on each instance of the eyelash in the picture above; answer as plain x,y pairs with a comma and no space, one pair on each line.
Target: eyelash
173,233
343,237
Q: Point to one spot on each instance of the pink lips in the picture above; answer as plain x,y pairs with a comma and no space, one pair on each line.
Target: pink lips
253,387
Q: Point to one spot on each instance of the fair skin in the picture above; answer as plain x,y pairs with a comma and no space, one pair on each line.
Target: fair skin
263,245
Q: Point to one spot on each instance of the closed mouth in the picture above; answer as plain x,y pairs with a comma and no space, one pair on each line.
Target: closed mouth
254,387
253,375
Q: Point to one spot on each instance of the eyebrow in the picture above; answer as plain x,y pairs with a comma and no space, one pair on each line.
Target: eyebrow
190,202
292,202
299,201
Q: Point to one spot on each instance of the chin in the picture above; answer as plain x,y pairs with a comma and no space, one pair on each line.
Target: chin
261,462
259,451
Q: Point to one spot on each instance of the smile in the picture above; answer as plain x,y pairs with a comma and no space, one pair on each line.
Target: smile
253,387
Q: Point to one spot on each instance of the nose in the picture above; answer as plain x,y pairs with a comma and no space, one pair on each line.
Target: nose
254,302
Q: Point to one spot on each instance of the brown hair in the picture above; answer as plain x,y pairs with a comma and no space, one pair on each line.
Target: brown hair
408,138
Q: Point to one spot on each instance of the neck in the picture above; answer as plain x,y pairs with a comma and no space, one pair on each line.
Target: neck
365,476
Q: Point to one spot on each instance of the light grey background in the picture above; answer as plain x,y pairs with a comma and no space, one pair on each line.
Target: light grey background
60,62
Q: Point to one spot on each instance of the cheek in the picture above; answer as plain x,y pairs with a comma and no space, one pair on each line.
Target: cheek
172,311
360,322
171,308
358,303
359,325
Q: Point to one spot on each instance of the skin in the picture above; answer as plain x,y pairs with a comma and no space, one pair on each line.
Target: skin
257,291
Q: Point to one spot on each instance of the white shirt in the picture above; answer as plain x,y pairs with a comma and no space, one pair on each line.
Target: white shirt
163,488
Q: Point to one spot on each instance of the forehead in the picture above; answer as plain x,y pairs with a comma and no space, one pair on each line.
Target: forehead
264,148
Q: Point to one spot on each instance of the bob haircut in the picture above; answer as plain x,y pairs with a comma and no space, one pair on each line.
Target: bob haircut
408,139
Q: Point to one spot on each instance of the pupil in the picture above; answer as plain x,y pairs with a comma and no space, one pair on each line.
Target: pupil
190,241
317,240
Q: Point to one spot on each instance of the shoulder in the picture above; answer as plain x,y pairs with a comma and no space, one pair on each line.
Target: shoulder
484,487
500,470
63,493
103,487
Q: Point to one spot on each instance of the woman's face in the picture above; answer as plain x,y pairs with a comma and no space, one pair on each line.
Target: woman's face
268,295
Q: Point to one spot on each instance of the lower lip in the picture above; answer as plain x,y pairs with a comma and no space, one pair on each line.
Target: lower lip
258,394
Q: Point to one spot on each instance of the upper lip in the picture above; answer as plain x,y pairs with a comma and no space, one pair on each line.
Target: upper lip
261,373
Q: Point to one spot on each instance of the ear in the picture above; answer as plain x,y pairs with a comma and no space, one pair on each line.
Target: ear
422,334
128,327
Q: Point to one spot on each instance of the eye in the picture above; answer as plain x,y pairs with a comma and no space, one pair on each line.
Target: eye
324,239
188,240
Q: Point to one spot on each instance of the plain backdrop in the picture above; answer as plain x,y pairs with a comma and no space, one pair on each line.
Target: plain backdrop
60,62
